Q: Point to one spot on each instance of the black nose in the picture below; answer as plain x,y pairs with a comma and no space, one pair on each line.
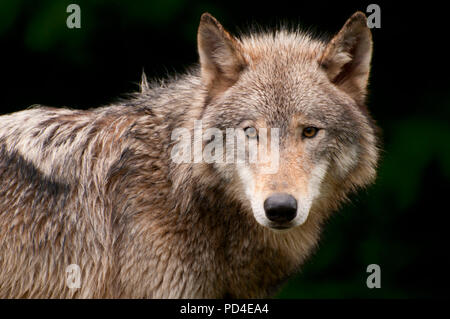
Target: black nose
280,208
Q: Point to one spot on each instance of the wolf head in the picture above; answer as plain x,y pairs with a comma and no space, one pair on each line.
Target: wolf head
313,93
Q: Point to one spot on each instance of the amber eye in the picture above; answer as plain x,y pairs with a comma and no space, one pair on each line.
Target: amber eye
251,132
310,131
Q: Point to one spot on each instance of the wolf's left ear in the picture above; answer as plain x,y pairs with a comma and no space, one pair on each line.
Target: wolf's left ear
221,58
347,57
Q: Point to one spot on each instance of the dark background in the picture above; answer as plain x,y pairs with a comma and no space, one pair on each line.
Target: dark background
400,223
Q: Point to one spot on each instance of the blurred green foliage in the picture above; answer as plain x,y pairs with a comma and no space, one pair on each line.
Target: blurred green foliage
398,223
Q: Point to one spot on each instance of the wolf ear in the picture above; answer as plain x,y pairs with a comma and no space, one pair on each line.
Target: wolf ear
221,58
347,56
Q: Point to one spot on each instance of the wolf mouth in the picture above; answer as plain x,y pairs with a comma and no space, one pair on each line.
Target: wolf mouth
280,227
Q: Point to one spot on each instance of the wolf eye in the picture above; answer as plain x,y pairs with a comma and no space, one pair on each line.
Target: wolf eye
310,132
251,132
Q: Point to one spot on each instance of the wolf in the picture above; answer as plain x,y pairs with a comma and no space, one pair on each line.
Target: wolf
98,188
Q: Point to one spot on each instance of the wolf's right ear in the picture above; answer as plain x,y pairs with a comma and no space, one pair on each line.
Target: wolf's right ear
221,58
346,58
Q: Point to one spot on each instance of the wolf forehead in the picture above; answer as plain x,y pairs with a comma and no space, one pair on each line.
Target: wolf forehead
281,50
283,80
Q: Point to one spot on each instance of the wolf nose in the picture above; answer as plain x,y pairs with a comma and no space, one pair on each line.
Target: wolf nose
280,207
